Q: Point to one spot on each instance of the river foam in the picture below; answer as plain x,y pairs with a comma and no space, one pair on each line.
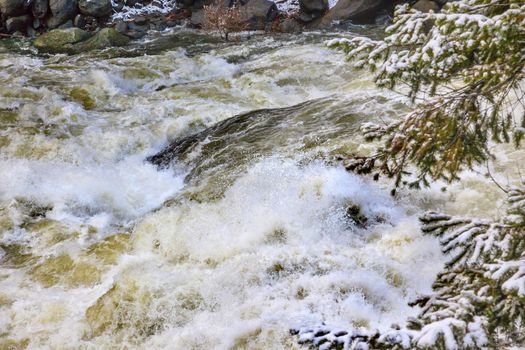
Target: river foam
278,250
101,249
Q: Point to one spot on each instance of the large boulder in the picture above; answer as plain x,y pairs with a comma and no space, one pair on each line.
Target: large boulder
19,23
76,40
289,25
311,9
426,6
61,12
95,8
106,37
199,4
185,4
357,11
259,13
60,40
39,8
197,17
13,7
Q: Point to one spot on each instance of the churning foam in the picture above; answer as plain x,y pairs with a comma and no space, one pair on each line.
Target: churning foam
276,251
120,191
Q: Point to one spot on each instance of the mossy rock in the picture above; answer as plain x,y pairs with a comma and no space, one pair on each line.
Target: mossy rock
5,300
83,274
75,40
50,272
64,270
109,249
6,223
13,344
395,278
4,141
32,210
123,307
60,40
16,256
301,293
50,232
8,117
83,97
190,300
140,73
104,38
277,235
353,212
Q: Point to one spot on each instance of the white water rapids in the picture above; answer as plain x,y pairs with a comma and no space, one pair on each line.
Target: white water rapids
242,238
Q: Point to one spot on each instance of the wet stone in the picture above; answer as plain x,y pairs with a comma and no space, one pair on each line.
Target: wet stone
124,306
13,7
65,271
140,20
59,40
16,256
19,23
95,8
121,27
80,21
353,212
67,25
62,11
109,249
137,28
39,8
83,97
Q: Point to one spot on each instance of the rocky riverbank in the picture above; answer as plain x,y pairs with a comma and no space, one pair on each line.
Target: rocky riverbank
79,20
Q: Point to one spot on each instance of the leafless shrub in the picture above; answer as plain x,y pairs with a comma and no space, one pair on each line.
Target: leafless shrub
224,19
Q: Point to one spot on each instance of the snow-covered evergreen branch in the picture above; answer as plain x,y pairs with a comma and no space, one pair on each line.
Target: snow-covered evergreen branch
478,300
464,68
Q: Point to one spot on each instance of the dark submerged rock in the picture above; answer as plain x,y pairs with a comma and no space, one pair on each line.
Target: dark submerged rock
185,3
140,20
62,11
13,7
37,23
76,40
67,25
39,8
19,23
60,40
426,6
121,27
31,32
197,17
137,27
289,25
106,37
95,8
357,11
259,13
311,9
353,212
80,21
133,34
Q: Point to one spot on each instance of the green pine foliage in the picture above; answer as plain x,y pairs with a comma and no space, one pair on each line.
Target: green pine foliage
478,300
464,69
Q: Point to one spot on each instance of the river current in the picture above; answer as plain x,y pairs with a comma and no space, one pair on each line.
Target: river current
243,235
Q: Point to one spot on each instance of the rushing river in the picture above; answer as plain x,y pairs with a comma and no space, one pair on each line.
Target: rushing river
237,233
